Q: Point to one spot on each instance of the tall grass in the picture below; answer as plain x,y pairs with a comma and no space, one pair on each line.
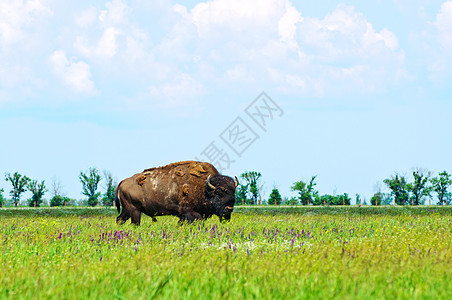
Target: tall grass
304,254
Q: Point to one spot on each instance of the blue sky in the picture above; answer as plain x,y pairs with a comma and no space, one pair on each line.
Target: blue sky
364,88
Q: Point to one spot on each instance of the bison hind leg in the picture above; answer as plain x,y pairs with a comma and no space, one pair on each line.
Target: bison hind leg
136,217
154,219
122,218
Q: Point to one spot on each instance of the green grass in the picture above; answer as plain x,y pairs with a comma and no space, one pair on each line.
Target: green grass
266,253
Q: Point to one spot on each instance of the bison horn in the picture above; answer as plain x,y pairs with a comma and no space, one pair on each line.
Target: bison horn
229,208
236,181
208,184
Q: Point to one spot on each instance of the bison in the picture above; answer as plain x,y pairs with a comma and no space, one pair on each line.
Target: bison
190,190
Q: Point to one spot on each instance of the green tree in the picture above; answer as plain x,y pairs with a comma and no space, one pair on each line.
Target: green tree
252,182
38,190
2,199
90,181
56,187
325,200
318,200
286,201
240,194
343,199
397,185
275,197
448,198
57,200
418,187
386,199
301,188
19,183
289,201
357,199
376,199
110,184
440,185
379,197
306,191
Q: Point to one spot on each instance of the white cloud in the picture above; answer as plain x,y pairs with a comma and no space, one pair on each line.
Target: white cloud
238,29
287,23
106,46
243,21
222,43
135,49
87,17
235,15
16,15
181,10
115,13
23,41
443,24
76,75
272,44
435,43
112,21
344,33
389,38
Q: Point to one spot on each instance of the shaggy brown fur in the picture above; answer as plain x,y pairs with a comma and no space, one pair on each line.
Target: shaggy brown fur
176,189
141,179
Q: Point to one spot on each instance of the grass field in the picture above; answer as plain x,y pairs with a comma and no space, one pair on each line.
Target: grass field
264,253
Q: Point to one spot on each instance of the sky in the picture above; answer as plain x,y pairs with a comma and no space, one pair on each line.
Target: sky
350,91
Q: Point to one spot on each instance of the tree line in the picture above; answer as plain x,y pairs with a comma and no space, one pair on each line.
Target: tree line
249,191
89,179
402,192
424,186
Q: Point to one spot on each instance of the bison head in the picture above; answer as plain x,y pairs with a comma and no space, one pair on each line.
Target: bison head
220,191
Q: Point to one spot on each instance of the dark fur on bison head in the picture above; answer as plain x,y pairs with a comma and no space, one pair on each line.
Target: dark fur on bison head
220,191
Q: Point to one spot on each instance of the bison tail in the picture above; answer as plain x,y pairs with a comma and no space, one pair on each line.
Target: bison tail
117,202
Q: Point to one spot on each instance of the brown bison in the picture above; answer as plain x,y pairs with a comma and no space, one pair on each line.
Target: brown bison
191,190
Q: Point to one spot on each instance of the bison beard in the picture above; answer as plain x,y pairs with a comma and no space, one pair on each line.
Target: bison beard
190,190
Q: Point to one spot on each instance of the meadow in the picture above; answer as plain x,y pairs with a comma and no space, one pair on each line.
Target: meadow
264,253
